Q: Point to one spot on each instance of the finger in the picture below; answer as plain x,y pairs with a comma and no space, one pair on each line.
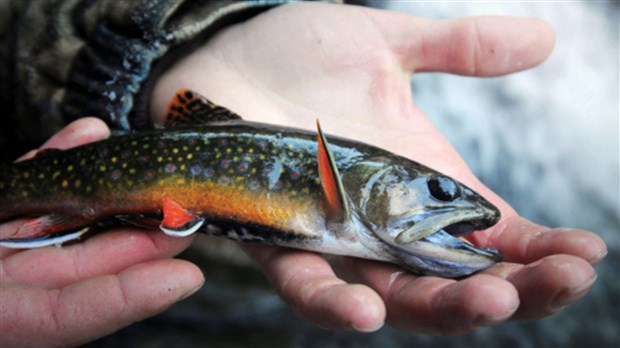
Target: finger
79,132
106,253
307,283
437,305
522,241
477,46
548,285
87,310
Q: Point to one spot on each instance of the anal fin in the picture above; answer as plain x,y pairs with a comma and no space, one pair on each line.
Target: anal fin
45,240
51,229
178,222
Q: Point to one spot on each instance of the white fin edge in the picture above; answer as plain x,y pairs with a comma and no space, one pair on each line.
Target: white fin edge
41,242
183,233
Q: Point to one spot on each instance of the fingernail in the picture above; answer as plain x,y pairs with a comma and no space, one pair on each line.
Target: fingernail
192,291
566,297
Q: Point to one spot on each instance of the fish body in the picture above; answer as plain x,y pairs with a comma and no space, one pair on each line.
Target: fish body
253,182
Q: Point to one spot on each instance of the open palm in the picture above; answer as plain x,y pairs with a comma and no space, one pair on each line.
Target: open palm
351,68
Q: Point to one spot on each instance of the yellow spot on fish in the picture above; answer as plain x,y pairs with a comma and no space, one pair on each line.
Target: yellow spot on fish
114,159
175,150
102,168
70,168
189,156
26,175
124,165
305,190
293,193
77,183
55,175
146,146
239,149
228,150
89,188
261,157
250,150
132,171
25,193
134,143
182,167
65,184
159,159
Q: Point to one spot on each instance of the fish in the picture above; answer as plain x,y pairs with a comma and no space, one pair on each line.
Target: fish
208,170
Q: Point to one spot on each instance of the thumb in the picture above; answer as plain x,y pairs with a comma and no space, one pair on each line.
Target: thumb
475,46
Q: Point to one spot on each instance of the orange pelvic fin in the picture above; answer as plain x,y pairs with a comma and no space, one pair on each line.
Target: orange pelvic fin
336,206
178,222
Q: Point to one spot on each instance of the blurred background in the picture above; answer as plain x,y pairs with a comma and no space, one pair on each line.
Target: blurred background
546,140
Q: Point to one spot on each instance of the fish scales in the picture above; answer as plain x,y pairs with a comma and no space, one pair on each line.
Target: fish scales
210,171
258,176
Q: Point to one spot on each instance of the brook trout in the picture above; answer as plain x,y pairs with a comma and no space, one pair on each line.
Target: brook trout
210,171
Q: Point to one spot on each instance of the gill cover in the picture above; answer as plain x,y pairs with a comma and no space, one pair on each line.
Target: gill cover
416,214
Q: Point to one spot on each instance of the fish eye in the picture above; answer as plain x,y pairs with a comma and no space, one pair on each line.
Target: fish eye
443,188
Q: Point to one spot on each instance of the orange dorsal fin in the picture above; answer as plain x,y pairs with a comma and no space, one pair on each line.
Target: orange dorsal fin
188,108
177,221
335,205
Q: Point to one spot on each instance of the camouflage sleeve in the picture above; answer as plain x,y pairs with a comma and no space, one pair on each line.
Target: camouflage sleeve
61,60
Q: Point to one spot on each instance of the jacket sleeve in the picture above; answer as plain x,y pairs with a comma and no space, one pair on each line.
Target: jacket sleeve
62,60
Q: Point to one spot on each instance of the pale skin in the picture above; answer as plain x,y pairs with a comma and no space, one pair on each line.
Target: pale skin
351,67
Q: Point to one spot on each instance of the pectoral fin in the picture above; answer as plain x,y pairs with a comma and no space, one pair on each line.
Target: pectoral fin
189,107
178,222
336,206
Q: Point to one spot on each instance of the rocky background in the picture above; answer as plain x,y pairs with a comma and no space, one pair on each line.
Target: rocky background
545,139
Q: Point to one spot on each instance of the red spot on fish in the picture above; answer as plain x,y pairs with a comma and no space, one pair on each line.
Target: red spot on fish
169,168
125,154
116,174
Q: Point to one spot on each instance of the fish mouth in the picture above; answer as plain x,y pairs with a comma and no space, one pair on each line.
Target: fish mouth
432,246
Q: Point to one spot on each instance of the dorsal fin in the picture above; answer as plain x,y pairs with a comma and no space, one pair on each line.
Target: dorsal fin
336,206
188,107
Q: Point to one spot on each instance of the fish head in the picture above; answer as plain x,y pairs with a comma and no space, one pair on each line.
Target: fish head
418,214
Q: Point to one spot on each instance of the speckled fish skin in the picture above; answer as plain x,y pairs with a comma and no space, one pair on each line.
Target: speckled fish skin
257,182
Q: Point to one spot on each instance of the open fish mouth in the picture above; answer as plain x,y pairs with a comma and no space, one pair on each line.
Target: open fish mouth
432,246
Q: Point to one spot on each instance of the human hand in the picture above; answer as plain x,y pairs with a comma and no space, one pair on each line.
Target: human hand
73,294
351,67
